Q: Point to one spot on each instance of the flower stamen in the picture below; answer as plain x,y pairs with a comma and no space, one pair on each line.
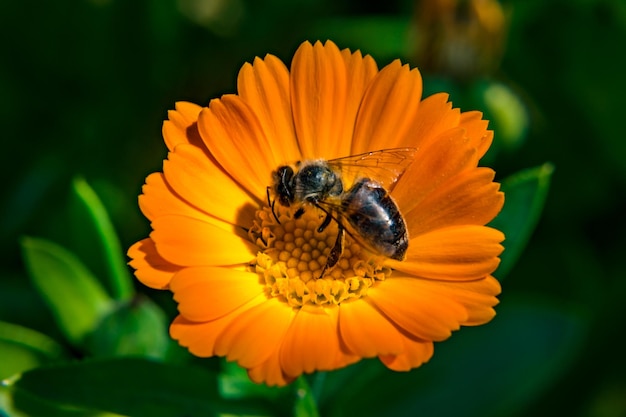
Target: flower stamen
293,253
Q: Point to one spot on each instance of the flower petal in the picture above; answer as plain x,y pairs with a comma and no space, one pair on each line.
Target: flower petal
158,199
434,117
479,297
453,253
476,129
200,337
327,86
366,332
196,178
191,242
256,334
207,293
270,372
441,159
417,307
264,86
181,126
469,198
233,134
317,77
414,354
150,268
361,70
388,109
312,342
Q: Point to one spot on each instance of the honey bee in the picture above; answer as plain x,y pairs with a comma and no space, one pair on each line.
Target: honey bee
366,209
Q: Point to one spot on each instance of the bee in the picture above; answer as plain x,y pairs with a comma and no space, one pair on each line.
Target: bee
365,210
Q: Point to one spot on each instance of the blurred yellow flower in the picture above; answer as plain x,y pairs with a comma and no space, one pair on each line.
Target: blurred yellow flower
246,276
460,38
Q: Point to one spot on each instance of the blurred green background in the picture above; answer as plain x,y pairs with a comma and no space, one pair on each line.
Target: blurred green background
86,84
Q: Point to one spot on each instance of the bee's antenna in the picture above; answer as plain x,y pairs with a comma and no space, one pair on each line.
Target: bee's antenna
271,203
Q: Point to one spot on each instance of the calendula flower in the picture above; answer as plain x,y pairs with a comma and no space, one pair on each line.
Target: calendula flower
246,272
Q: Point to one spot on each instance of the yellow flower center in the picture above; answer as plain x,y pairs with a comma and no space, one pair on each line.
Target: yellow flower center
293,254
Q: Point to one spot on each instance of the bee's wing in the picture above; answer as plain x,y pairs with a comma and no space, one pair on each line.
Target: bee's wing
384,166
335,210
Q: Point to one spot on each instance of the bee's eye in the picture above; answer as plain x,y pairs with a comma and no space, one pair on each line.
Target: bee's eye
285,174
283,187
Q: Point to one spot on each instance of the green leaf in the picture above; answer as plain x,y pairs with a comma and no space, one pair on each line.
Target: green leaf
487,370
31,406
74,295
305,405
22,348
96,240
131,386
297,399
136,327
234,383
525,194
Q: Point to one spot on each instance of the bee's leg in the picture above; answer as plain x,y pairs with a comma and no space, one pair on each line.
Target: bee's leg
325,223
271,204
335,251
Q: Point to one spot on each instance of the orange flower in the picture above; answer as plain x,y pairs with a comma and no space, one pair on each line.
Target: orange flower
246,277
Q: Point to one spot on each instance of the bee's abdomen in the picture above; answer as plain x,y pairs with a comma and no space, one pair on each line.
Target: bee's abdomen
374,215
